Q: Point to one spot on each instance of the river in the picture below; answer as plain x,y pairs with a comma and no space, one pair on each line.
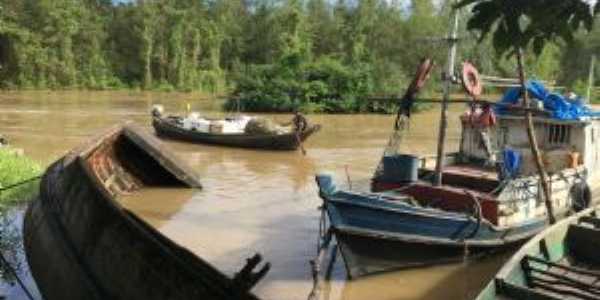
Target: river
252,201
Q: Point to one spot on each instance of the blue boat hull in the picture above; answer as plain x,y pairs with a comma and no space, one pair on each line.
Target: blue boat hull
376,234
367,256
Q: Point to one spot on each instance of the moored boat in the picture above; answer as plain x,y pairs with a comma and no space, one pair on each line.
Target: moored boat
560,262
283,138
81,244
521,165
490,197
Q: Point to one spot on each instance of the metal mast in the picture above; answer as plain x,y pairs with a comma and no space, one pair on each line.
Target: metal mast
448,76
591,79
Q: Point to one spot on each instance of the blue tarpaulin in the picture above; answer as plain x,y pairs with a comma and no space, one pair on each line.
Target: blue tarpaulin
512,162
557,104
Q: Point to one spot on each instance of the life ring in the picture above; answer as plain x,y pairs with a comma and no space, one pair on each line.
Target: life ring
471,80
581,196
421,76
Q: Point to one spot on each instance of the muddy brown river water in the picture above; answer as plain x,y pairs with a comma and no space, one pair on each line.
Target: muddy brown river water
252,201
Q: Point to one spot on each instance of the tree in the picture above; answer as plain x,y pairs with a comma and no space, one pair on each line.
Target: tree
515,24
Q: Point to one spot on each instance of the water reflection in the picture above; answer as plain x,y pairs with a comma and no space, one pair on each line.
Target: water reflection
11,224
252,201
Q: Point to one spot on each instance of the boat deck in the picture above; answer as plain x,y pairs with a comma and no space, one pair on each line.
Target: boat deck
469,170
576,275
473,177
563,278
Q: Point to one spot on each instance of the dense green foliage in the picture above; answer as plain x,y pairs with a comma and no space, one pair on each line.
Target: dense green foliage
541,26
276,55
519,23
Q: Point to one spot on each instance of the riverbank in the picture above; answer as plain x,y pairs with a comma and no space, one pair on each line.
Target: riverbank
14,169
17,177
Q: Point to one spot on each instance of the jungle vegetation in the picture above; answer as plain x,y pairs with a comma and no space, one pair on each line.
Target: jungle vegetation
268,55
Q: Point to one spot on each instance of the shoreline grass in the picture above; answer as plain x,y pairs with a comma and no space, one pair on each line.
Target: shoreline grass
15,168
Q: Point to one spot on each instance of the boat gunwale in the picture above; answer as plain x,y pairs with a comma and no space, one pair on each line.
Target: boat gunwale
428,212
526,248
412,238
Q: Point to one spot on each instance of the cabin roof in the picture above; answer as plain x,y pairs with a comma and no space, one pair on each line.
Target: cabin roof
583,121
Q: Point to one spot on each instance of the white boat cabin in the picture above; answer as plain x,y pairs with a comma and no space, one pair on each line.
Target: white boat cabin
570,153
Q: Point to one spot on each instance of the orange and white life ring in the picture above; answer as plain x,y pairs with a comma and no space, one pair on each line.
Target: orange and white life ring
471,80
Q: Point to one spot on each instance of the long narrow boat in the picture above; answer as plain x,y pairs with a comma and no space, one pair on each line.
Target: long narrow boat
169,128
561,262
81,244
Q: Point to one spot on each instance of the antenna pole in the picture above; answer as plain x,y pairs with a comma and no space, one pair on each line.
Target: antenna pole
591,79
447,76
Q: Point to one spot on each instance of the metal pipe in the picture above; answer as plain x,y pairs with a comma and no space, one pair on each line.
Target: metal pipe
590,79
449,74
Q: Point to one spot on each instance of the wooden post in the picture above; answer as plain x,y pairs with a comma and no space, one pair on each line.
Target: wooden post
533,141
448,75
591,79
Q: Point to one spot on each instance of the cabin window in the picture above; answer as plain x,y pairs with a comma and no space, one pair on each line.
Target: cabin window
558,134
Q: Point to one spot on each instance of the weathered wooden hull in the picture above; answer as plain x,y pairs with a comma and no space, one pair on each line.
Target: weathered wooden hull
289,141
559,263
369,255
378,234
379,238
81,244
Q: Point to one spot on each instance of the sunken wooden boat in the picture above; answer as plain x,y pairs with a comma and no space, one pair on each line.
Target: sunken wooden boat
561,262
81,244
169,127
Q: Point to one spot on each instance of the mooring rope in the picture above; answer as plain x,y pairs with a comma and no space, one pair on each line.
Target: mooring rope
15,185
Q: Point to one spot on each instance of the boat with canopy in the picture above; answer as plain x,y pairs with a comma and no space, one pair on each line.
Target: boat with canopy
522,164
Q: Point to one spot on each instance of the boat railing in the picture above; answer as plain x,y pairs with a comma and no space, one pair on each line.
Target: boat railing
560,279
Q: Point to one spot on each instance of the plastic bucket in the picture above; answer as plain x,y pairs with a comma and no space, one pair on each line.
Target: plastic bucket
400,168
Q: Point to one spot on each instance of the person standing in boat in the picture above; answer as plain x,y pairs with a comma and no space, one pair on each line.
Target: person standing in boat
299,121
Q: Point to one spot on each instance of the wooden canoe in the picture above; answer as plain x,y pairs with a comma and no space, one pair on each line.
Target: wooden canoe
561,262
167,128
81,244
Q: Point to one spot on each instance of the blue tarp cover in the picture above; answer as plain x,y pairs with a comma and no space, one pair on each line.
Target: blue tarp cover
557,104
512,162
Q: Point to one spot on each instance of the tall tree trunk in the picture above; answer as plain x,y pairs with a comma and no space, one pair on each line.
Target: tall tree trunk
148,49
533,141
